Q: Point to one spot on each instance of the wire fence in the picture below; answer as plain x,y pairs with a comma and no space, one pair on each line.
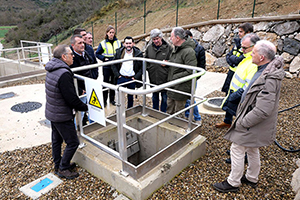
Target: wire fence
214,7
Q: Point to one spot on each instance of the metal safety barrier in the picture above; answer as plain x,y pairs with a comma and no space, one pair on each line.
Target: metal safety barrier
120,99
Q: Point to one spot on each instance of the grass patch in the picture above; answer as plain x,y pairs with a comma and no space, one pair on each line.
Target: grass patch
3,32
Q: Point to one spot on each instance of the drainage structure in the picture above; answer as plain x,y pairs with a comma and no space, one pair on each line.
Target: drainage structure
140,149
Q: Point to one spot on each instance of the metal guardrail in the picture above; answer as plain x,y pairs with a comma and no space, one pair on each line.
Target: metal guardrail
41,52
120,98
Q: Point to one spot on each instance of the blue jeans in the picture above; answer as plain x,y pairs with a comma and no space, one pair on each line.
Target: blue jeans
155,100
197,116
129,86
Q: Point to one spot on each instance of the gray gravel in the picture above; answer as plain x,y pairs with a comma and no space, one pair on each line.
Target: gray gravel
19,167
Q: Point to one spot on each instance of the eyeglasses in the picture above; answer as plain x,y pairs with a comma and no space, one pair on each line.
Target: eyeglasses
245,48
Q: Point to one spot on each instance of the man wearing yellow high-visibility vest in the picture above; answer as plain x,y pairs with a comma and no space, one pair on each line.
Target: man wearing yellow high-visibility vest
235,56
240,80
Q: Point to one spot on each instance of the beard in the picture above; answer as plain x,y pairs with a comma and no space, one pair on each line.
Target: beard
128,48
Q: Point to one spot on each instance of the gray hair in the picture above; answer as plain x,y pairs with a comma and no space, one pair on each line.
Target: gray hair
253,38
60,50
73,38
266,49
178,31
156,33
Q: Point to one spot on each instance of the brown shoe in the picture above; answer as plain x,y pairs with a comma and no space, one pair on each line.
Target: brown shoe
222,125
68,174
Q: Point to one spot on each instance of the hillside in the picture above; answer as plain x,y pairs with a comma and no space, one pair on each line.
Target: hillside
56,19
14,11
162,14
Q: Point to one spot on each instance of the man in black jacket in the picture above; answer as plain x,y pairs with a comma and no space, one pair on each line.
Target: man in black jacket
88,48
130,70
81,58
61,103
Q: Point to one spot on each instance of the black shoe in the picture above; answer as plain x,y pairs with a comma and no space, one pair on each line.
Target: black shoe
225,187
247,182
228,160
113,103
72,168
228,152
68,174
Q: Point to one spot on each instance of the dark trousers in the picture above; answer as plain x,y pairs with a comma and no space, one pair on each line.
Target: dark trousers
108,77
227,81
130,86
155,100
228,118
63,131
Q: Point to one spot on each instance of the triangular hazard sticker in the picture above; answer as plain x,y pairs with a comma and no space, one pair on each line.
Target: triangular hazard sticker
94,101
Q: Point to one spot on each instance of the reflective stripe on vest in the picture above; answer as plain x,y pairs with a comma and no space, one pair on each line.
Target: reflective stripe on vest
237,53
110,50
244,73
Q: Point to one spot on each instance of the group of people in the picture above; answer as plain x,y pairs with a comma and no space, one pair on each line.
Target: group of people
252,90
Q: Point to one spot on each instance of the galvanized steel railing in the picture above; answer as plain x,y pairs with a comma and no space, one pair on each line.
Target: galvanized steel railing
120,97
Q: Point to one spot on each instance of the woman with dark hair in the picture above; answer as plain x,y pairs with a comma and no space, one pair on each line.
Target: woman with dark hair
105,52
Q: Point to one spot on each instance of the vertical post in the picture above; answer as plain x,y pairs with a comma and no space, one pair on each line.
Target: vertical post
144,87
19,69
116,21
144,16
192,102
56,42
177,14
121,120
39,53
93,32
253,8
23,53
218,9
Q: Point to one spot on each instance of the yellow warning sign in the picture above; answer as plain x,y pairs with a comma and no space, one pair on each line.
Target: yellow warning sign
94,101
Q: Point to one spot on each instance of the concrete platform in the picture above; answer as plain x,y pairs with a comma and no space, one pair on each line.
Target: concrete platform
107,168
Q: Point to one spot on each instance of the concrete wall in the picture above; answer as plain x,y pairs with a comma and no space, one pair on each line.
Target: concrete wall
10,67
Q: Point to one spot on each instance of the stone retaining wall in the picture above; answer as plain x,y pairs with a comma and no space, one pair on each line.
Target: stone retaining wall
217,39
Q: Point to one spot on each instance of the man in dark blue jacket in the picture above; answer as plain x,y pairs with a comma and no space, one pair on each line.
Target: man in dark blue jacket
61,103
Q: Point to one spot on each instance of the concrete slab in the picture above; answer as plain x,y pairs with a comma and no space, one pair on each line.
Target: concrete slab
23,130
107,168
41,186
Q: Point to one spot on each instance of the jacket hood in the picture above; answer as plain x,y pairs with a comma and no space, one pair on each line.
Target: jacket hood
275,68
187,43
54,64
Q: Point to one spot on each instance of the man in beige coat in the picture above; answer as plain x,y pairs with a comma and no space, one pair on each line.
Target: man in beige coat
255,124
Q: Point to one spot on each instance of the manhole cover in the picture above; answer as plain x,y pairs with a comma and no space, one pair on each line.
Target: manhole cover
26,107
216,101
7,95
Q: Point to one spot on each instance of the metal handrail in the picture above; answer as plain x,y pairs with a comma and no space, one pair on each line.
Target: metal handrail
120,94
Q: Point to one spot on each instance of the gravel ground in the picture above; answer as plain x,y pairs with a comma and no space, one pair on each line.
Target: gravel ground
19,167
